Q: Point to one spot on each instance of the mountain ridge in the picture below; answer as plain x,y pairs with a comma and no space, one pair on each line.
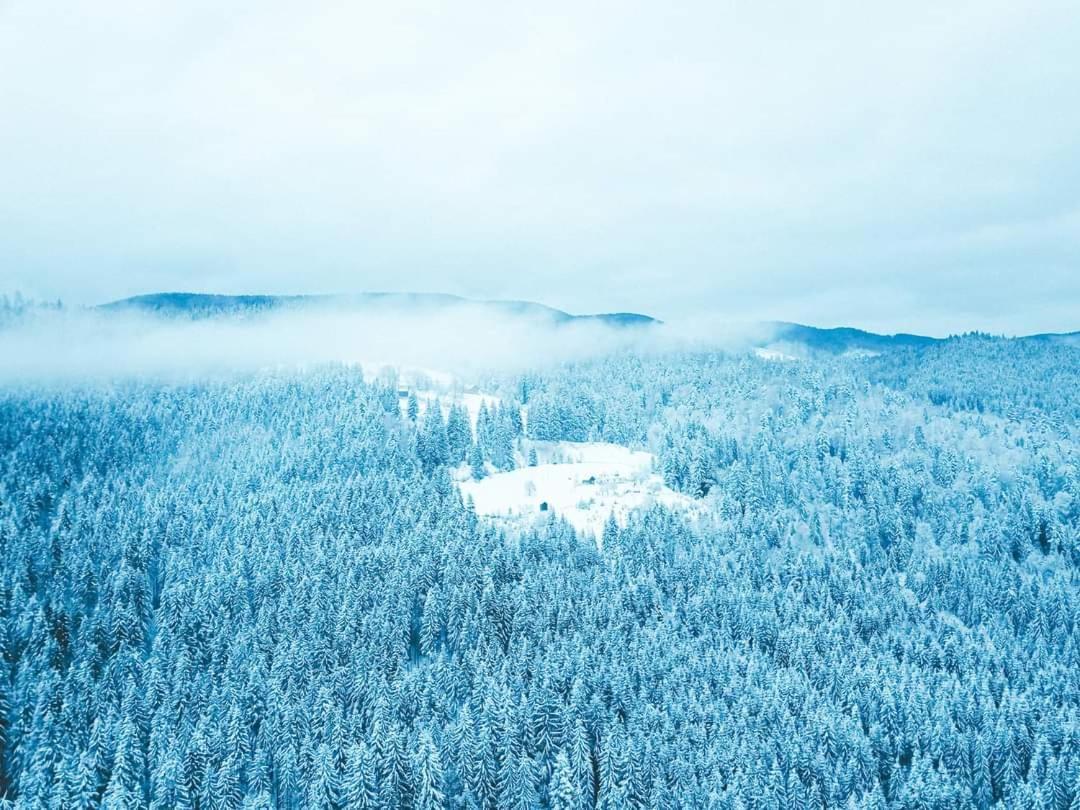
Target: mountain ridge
834,340
210,305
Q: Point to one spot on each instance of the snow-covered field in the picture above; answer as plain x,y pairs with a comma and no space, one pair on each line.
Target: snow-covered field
583,482
773,354
407,376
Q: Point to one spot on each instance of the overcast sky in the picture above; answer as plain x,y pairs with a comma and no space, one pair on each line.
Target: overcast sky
898,166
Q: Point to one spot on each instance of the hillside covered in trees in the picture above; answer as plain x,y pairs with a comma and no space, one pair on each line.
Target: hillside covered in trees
263,589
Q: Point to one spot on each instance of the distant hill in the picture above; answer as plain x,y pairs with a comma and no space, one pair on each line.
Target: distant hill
843,339
199,305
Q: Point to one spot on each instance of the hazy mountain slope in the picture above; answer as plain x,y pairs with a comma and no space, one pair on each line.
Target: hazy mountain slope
201,305
842,339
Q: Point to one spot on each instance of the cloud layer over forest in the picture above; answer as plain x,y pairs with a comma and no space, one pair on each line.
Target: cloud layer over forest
462,340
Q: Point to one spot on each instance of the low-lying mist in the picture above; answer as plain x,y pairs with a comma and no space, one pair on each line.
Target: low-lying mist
463,341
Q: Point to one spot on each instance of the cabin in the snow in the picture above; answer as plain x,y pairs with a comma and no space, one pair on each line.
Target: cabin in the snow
543,506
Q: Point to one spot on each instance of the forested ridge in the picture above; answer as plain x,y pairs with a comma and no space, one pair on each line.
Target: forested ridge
264,590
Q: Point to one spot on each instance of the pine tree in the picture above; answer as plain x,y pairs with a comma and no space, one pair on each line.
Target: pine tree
324,787
359,790
476,463
564,795
458,433
428,775
501,441
124,789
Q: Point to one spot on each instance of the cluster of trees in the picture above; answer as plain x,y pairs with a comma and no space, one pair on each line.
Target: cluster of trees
1029,380
497,431
572,412
439,441
16,306
450,440
267,592
1001,417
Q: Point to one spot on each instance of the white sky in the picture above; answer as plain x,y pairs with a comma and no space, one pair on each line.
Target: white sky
897,166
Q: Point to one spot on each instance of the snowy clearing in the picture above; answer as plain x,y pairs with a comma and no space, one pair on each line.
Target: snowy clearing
406,376
773,354
584,482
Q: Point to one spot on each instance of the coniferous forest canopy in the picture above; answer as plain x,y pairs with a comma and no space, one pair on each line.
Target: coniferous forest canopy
264,589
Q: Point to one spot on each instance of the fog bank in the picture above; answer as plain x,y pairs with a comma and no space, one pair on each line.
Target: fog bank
463,341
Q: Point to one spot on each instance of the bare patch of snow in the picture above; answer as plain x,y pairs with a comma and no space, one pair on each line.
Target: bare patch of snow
583,482
410,377
773,354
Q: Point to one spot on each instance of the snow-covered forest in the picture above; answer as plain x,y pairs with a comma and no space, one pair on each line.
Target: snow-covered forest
271,588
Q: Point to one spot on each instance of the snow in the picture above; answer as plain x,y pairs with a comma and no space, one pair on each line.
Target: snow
773,354
583,482
407,376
